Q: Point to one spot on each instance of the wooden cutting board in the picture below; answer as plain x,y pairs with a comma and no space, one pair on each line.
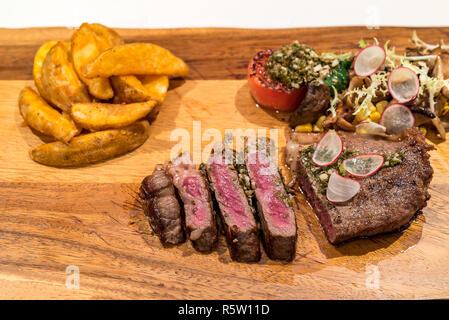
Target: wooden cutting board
51,219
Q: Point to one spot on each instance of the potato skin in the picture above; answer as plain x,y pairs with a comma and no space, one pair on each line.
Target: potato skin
43,118
88,42
60,80
106,37
92,147
39,58
128,89
100,116
155,86
136,59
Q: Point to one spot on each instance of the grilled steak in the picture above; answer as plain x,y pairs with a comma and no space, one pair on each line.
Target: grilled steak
312,106
199,216
161,206
387,199
237,215
275,211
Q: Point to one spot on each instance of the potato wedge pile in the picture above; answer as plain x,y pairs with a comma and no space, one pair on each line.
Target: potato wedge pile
93,95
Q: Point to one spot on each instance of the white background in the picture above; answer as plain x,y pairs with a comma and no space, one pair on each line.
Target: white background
223,13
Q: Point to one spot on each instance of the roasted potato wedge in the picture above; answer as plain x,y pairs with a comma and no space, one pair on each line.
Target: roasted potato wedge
136,59
68,117
100,116
88,42
92,147
128,89
155,86
105,37
43,118
39,58
60,80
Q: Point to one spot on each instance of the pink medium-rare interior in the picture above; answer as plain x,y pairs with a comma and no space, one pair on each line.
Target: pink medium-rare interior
269,190
193,191
229,194
196,204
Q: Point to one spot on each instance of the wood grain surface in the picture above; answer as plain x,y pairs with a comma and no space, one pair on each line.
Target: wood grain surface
88,217
210,53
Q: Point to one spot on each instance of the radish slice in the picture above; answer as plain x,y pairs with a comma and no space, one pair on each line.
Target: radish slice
369,60
396,118
368,127
403,84
363,165
328,149
341,189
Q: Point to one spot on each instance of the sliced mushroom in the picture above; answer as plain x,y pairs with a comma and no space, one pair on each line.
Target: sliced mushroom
437,71
436,121
421,119
444,58
345,125
356,82
440,128
445,92
423,111
359,82
344,116
435,108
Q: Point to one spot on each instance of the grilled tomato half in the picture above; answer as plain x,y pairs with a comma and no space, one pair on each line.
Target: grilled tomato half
268,93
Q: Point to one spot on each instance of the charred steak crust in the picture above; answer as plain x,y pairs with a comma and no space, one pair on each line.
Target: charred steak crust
277,218
312,106
208,239
236,214
200,221
388,199
161,206
277,247
244,246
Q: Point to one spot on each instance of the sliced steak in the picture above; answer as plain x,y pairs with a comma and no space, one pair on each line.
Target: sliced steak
387,199
161,206
313,105
199,215
237,215
274,205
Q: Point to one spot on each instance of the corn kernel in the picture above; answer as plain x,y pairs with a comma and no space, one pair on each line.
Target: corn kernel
380,106
423,130
372,107
375,116
359,117
320,121
307,127
445,110
317,129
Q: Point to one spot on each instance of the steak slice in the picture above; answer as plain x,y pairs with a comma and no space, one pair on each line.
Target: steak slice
199,215
161,206
237,215
387,199
274,206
